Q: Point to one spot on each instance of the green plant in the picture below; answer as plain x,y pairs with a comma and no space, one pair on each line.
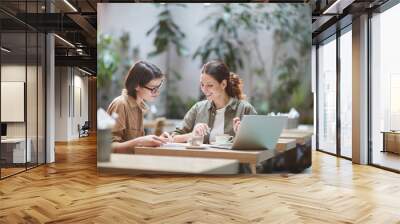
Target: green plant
294,78
168,35
127,55
288,83
229,40
107,64
107,60
114,60
224,42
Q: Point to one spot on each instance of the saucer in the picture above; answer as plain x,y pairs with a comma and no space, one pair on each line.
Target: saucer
196,147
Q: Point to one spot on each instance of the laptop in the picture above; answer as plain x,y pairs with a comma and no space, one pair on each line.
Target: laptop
257,132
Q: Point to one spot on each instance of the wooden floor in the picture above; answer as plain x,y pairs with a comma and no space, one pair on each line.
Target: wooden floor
5,172
386,159
71,191
8,171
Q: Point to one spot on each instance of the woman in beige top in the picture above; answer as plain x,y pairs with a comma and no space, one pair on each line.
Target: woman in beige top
142,83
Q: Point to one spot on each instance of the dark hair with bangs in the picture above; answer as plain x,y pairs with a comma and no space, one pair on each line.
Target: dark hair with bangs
140,74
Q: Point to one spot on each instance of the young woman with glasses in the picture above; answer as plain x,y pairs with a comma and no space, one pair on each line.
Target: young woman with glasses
142,83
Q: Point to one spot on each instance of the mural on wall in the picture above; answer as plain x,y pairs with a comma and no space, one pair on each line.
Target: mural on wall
268,45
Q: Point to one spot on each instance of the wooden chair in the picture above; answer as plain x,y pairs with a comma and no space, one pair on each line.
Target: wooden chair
159,125
83,130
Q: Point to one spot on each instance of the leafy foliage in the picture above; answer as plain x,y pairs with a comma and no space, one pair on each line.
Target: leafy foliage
233,30
168,35
107,61
280,82
288,83
114,60
224,42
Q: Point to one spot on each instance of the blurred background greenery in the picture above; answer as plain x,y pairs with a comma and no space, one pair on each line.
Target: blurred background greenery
274,84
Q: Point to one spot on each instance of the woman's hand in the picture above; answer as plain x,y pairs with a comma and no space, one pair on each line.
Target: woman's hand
149,140
167,137
129,146
200,129
236,124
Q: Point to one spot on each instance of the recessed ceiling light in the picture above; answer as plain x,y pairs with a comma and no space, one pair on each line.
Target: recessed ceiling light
70,5
64,40
86,72
338,6
5,50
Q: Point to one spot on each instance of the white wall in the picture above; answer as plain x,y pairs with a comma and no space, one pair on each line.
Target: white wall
12,73
61,83
79,117
67,115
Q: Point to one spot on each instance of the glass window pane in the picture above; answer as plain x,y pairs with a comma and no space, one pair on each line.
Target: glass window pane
22,88
385,88
346,94
13,84
31,97
41,98
327,97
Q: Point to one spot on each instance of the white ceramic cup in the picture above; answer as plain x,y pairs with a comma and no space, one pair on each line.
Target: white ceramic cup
223,139
196,140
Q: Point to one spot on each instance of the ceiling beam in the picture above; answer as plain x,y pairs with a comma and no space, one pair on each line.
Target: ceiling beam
337,6
75,61
86,26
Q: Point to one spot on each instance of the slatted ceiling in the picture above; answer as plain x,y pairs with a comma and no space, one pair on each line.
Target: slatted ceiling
347,8
87,5
80,5
70,191
82,23
23,6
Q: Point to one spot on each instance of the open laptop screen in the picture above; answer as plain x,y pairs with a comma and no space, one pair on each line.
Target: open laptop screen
259,131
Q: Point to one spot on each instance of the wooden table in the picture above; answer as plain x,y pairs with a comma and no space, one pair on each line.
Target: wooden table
301,137
14,151
146,164
391,141
250,157
168,123
294,160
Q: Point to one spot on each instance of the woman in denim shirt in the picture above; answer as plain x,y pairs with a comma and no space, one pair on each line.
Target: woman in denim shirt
220,113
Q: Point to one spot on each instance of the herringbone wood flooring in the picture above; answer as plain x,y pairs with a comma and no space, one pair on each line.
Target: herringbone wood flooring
71,191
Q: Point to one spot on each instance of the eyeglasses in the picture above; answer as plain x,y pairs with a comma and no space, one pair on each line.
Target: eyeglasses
154,90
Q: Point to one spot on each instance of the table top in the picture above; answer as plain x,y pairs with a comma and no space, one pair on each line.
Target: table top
310,131
146,164
391,132
13,140
301,137
244,156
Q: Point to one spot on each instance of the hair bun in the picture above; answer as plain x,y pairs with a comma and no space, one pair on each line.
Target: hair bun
219,71
236,85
